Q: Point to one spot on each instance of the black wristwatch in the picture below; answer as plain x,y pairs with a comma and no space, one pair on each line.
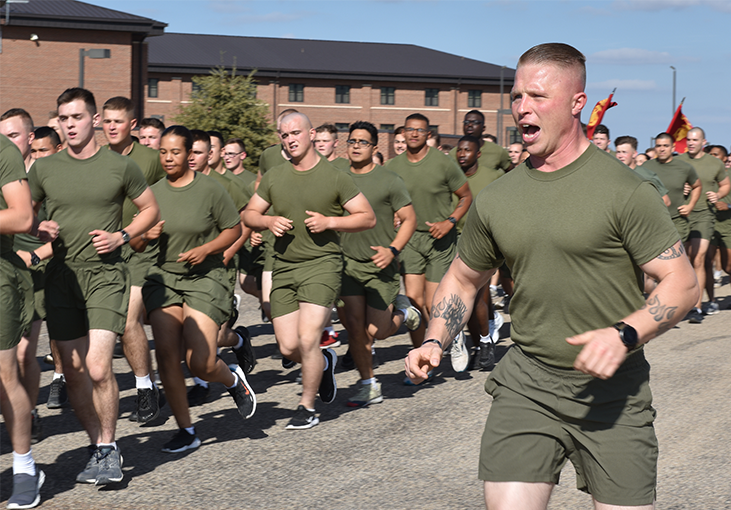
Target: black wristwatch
628,335
433,341
452,220
34,259
394,251
125,236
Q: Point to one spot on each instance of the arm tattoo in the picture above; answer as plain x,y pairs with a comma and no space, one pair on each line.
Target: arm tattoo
452,309
661,313
671,253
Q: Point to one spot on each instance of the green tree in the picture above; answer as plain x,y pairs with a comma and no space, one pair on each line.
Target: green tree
226,102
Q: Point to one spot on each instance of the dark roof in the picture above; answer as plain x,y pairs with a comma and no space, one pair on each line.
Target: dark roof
299,58
78,15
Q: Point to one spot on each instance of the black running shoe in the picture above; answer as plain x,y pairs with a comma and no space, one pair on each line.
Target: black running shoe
242,393
328,385
245,354
181,441
288,363
346,362
302,419
694,317
197,395
487,356
149,402
57,395
36,430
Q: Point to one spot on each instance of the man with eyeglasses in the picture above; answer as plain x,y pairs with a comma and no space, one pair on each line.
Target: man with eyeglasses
234,154
431,179
326,140
491,154
370,289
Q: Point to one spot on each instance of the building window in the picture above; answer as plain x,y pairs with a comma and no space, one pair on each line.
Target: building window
342,126
161,118
152,87
431,97
388,95
474,99
342,94
434,129
196,88
296,93
513,135
388,127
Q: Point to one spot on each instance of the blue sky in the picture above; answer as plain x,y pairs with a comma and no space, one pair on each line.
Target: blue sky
629,44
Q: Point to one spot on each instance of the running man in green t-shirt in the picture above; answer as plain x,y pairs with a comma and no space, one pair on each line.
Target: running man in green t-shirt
310,197
373,307
576,384
491,154
118,121
87,283
431,179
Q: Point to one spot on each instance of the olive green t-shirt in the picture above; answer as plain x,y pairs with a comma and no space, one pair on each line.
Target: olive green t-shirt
491,156
233,186
341,164
431,183
574,253
83,195
271,157
648,175
674,175
710,171
386,192
12,169
477,181
194,215
149,162
323,189
723,218
246,177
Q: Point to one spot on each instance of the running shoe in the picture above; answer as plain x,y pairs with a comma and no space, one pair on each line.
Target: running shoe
459,354
26,490
487,356
495,324
242,393
245,354
412,320
110,466
181,441
197,395
302,419
329,339
711,308
57,395
367,394
149,402
36,429
328,385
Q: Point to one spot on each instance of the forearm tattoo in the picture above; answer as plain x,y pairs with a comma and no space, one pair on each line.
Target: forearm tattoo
671,253
663,314
453,310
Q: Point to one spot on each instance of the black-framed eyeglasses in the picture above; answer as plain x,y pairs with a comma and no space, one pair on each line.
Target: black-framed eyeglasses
472,122
421,131
360,143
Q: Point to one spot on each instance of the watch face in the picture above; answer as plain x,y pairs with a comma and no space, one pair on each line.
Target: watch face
629,336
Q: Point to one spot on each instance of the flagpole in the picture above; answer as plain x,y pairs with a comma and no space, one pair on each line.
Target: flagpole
674,71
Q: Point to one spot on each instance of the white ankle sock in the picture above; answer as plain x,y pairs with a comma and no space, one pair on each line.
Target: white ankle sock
485,339
236,381
240,342
24,463
112,445
143,382
200,382
190,430
329,330
403,311
372,380
56,375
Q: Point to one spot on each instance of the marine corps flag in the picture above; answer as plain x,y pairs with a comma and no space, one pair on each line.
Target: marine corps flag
597,114
679,128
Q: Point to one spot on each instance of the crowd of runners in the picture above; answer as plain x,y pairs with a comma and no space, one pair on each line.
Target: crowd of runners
158,226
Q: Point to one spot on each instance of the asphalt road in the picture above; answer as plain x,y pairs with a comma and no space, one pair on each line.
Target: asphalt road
417,449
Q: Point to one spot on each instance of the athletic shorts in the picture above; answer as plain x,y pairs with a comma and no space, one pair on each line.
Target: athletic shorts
540,416
206,292
682,225
722,230
315,281
16,301
80,297
246,259
231,272
38,274
701,224
138,263
379,286
428,256
721,240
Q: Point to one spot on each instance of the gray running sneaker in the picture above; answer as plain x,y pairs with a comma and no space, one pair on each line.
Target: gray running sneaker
459,353
57,395
26,490
110,466
367,394
495,324
711,308
88,475
413,315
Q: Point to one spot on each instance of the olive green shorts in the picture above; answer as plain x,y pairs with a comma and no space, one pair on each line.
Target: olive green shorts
315,281
16,301
38,273
701,224
540,416
722,230
428,256
207,292
682,225
80,297
379,286
138,263
246,258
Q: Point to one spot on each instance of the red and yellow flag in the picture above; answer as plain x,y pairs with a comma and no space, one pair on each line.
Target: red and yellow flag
678,129
597,114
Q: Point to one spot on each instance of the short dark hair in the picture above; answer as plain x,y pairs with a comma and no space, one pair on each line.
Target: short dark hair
46,132
476,112
601,129
379,157
200,136
329,128
19,112
238,141
75,93
417,116
362,124
151,122
490,137
216,134
664,135
435,136
721,148
120,103
399,130
471,139
181,131
626,139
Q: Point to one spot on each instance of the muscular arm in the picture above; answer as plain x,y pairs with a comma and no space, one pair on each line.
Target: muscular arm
361,217
453,303
675,294
18,217
229,253
695,194
148,215
442,228
407,219
723,189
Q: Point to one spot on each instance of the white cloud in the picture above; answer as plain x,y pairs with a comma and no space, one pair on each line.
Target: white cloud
631,56
623,85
